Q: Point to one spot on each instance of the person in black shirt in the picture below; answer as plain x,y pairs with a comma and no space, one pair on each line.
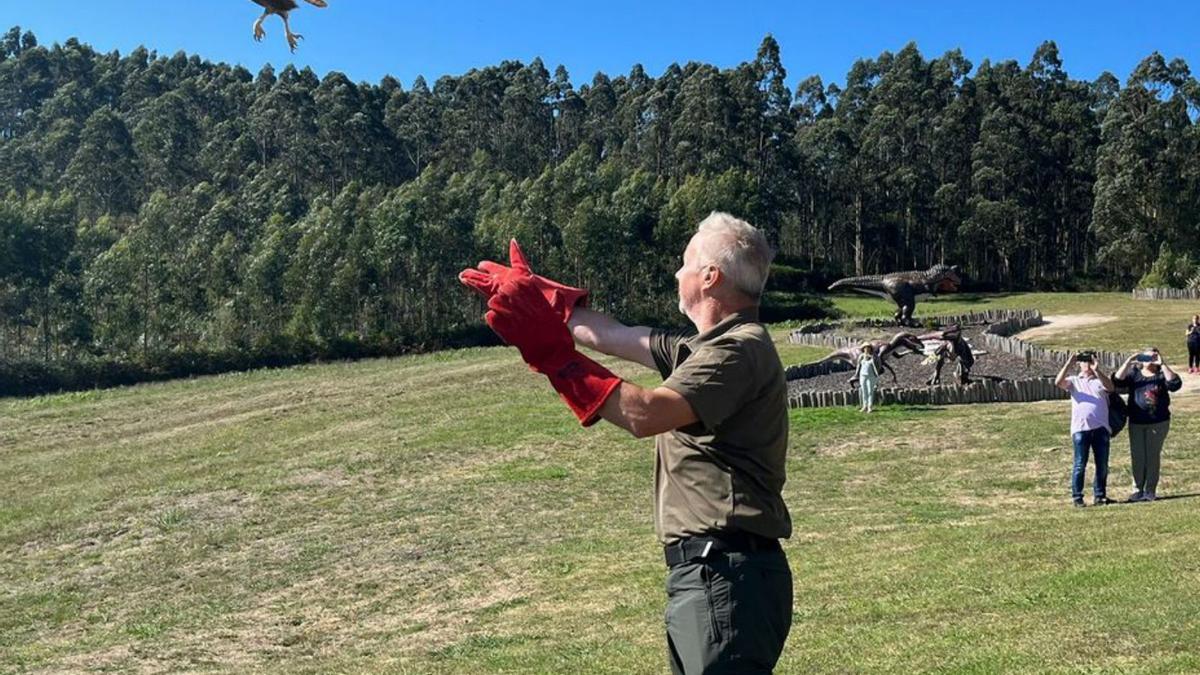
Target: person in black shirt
1193,344
1150,382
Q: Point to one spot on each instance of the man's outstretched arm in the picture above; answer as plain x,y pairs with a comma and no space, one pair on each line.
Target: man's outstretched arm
647,412
606,335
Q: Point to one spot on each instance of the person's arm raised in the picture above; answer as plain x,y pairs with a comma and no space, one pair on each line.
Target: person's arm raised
1123,372
1060,380
647,412
606,335
1169,375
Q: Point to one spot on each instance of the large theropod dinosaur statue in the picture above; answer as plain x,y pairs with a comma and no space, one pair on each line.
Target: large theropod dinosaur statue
903,288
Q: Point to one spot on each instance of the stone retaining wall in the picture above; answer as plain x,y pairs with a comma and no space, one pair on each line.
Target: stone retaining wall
970,318
1166,294
998,337
980,391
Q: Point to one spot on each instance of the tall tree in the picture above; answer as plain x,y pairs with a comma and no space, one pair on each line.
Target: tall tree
104,173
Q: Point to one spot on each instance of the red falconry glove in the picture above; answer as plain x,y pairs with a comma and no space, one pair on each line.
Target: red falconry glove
487,279
520,314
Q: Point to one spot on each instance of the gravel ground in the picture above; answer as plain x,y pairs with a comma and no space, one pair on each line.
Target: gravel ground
910,372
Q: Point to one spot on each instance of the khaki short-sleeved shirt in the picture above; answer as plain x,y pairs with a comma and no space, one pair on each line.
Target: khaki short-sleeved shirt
724,473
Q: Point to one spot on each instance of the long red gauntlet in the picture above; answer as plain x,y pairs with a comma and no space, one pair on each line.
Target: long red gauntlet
489,276
522,316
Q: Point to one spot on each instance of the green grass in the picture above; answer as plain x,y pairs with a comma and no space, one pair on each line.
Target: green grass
444,513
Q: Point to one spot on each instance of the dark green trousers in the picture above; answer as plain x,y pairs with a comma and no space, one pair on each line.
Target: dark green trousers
729,613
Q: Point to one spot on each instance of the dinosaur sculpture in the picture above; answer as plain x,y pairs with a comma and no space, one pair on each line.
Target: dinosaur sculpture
953,347
903,288
895,346
281,8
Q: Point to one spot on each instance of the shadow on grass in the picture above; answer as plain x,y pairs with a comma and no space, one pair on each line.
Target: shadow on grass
970,298
1125,502
1185,496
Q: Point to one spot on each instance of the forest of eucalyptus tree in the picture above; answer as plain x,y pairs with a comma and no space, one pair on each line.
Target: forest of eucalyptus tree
164,215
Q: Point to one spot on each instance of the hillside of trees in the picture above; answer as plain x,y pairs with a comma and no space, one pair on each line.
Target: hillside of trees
165,215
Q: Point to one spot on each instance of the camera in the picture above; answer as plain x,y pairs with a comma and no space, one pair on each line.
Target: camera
1085,357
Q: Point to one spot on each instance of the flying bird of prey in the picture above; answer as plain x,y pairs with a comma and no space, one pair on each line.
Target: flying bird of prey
280,8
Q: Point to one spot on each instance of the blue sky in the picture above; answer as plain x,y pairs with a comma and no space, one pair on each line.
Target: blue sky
367,39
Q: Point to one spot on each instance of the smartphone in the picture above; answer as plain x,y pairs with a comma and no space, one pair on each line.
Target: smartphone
1144,358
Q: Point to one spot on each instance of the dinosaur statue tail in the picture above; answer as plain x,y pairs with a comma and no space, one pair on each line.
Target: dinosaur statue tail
836,356
871,282
868,284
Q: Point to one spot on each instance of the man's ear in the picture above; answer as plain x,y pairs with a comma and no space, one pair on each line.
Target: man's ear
712,276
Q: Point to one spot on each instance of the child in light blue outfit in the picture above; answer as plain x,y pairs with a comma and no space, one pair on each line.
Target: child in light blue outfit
868,376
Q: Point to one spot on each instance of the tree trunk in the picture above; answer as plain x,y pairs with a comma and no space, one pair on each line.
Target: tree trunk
858,235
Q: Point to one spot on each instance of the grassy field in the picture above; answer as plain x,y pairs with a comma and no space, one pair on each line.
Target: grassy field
444,513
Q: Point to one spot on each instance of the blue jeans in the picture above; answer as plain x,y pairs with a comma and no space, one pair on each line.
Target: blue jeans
1097,440
866,391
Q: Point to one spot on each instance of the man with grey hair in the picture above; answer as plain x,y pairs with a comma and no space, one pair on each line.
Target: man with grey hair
740,248
720,425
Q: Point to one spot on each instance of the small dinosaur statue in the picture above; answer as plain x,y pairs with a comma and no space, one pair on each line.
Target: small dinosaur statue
899,345
953,347
903,288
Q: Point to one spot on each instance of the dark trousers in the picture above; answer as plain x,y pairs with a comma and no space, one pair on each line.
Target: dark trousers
728,613
1193,353
1097,440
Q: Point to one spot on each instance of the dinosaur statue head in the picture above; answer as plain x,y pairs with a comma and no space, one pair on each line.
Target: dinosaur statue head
908,341
945,278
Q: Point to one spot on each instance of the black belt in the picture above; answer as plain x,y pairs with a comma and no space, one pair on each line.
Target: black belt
701,547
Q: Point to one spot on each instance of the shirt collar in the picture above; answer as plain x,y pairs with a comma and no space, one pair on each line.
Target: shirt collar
745,315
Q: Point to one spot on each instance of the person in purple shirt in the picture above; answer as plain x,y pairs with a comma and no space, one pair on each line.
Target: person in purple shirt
1089,391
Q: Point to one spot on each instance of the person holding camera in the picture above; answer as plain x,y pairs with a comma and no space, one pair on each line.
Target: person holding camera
1089,391
1150,382
1193,344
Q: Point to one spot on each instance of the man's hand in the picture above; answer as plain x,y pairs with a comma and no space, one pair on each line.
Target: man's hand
489,276
521,315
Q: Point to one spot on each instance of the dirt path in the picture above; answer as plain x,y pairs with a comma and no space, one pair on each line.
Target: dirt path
1059,323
